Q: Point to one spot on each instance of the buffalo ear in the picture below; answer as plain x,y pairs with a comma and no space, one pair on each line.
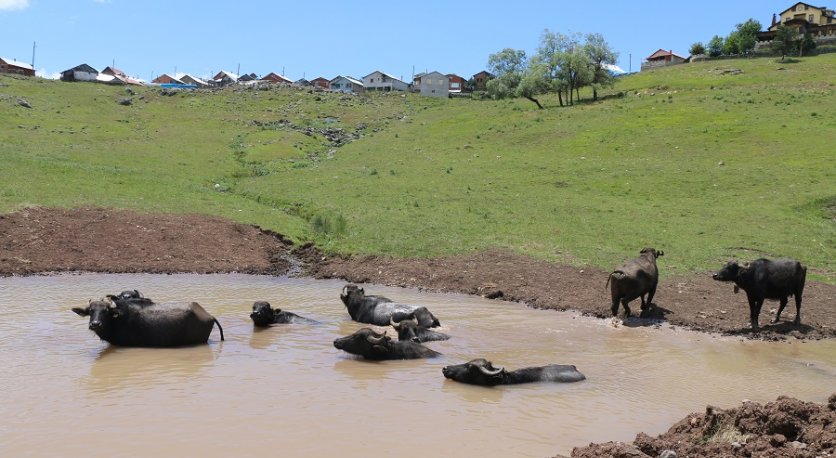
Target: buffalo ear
660,253
81,312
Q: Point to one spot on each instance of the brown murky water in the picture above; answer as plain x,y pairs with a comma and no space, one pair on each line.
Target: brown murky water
287,391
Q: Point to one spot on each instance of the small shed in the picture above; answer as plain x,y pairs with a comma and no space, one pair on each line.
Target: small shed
435,84
321,83
276,78
166,79
81,72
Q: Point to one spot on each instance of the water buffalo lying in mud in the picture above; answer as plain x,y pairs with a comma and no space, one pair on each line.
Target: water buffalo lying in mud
379,310
481,372
635,279
409,329
765,279
265,315
371,345
157,325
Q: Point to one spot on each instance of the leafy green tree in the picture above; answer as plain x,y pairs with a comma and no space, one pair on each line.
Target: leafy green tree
715,46
508,66
697,48
731,44
806,43
784,41
747,35
535,81
600,55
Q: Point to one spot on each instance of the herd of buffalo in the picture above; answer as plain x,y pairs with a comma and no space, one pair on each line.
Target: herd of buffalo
130,319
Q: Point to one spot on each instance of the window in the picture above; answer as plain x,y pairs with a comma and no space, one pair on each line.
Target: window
810,18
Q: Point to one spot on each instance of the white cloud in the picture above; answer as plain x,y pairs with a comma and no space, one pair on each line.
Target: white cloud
13,4
44,73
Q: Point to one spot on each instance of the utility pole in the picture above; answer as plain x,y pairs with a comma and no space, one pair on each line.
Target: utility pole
238,72
631,63
33,55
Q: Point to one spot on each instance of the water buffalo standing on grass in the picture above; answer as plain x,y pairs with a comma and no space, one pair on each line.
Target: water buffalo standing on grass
409,329
157,325
765,279
634,279
379,310
265,315
371,345
482,372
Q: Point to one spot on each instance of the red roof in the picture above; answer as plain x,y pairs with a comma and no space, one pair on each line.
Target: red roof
663,53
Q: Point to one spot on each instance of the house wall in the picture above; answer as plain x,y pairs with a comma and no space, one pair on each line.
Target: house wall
83,76
379,82
435,85
6,68
809,13
480,81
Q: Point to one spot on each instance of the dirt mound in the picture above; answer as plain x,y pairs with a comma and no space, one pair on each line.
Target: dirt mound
39,240
786,427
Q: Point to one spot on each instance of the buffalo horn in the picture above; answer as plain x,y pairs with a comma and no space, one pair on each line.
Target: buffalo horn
489,372
396,325
375,340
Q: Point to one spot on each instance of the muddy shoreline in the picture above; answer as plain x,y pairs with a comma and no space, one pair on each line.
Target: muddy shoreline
39,240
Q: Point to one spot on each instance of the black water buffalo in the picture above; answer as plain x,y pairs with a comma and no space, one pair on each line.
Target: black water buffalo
157,325
371,345
481,372
379,310
409,329
635,279
765,279
265,315
130,297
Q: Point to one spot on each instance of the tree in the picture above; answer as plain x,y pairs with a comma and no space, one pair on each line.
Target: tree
784,41
599,54
508,66
731,45
715,46
747,35
697,49
535,81
806,43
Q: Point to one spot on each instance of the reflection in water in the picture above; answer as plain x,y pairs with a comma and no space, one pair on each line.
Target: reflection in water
289,383
117,367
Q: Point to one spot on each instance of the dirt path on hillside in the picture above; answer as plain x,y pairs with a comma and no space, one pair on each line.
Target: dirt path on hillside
38,240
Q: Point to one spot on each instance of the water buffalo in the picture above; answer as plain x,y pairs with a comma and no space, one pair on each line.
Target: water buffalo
371,345
481,372
635,279
765,279
379,310
157,325
409,329
130,297
265,315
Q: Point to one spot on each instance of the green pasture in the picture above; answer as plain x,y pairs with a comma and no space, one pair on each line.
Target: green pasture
708,161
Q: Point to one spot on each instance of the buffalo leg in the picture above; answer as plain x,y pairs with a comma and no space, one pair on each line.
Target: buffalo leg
781,309
650,295
754,311
627,312
798,307
615,306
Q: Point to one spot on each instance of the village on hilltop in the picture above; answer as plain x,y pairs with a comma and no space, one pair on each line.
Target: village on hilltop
815,22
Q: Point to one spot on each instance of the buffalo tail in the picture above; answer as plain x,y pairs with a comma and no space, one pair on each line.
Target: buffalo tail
219,328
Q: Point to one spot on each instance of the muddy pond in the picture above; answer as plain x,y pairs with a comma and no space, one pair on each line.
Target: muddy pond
287,391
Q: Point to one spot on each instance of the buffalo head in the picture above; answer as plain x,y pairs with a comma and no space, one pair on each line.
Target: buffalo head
352,294
652,252
364,342
407,329
101,313
477,372
263,313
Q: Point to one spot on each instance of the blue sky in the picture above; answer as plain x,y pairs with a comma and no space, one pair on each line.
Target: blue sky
329,38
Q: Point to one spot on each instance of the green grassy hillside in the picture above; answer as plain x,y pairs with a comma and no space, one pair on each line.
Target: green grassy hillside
703,162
